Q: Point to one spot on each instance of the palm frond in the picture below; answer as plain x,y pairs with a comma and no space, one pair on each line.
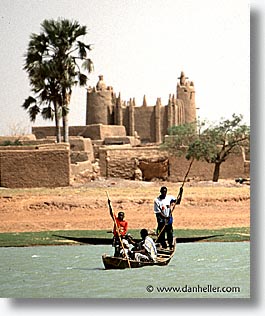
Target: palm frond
88,65
28,102
33,112
47,113
81,50
65,111
82,79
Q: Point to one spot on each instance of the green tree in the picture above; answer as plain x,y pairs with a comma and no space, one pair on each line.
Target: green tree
181,135
52,62
214,143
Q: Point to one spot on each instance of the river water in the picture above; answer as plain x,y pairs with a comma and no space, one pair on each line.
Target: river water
198,270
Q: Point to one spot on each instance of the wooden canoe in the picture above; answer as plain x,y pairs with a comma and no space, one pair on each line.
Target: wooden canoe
163,258
108,241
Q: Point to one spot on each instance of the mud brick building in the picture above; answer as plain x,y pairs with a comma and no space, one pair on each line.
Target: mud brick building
149,122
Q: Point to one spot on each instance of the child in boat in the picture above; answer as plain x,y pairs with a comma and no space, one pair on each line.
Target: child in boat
122,227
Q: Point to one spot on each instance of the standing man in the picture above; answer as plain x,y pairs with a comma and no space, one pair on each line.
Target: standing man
163,209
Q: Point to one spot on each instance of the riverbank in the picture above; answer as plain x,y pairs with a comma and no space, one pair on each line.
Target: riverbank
204,205
50,238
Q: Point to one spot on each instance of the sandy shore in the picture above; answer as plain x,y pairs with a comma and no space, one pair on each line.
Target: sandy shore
205,205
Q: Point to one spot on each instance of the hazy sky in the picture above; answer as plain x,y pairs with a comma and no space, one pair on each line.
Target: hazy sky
140,46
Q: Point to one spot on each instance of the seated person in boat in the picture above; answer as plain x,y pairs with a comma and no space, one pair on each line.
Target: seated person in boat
147,251
122,226
125,251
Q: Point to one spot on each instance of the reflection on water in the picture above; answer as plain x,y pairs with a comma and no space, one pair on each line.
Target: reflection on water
217,270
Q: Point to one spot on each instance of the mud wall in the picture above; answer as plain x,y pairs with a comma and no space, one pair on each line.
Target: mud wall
122,162
145,123
94,131
34,168
233,167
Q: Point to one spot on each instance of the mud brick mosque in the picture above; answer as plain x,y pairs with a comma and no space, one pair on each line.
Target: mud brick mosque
119,140
149,123
114,121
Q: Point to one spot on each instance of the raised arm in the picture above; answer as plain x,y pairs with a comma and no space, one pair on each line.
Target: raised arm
179,197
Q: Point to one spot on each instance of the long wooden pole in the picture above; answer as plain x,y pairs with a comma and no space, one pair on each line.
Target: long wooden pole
117,230
184,180
188,171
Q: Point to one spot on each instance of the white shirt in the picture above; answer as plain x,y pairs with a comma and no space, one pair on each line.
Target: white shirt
150,247
163,205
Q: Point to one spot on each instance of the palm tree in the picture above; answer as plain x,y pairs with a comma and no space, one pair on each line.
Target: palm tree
48,99
52,62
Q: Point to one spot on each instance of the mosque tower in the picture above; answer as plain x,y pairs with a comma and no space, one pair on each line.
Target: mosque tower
186,93
100,104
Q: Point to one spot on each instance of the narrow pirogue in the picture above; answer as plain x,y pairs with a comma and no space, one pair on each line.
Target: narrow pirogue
163,258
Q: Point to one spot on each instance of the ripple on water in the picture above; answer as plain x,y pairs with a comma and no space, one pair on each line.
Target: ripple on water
77,271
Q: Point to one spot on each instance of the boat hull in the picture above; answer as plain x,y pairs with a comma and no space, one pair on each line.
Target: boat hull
163,259
122,263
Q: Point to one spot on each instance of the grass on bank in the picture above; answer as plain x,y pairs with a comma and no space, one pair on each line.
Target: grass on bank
47,238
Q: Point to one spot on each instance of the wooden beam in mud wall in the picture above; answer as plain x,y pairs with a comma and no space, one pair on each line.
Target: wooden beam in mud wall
131,118
158,121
